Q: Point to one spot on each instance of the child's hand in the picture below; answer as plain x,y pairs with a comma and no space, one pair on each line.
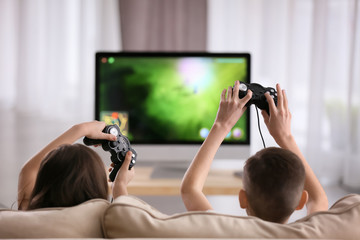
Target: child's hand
123,177
231,106
94,130
279,121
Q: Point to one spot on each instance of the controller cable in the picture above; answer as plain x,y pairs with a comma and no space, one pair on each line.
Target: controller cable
258,119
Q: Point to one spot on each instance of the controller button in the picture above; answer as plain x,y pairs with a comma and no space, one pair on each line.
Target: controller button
272,90
114,131
113,144
242,87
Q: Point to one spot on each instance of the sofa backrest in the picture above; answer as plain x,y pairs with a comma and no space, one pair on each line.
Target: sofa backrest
81,221
129,217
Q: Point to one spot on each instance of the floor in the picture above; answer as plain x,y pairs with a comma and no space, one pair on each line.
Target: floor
23,135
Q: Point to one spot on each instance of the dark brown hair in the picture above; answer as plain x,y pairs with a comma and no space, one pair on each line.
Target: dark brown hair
69,175
273,180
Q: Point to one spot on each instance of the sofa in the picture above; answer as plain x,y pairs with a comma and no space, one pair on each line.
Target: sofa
130,217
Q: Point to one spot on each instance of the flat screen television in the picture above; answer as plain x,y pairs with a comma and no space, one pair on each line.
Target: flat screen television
166,102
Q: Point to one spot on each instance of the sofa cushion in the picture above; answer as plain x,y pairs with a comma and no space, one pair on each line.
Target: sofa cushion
81,221
130,217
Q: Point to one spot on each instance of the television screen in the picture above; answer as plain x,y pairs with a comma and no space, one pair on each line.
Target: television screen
168,98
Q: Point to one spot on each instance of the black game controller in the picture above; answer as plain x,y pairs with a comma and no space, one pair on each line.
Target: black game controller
258,98
118,148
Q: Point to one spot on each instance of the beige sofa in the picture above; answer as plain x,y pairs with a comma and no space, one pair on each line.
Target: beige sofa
130,217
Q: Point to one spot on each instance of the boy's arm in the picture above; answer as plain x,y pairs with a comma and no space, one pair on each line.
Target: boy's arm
28,173
279,125
230,110
195,177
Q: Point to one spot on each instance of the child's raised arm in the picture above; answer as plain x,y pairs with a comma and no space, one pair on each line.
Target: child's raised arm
230,110
279,125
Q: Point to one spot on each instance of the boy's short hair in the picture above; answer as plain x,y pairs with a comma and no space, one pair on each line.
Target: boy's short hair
273,180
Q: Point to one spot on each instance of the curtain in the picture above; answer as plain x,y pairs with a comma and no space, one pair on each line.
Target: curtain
47,54
163,25
312,48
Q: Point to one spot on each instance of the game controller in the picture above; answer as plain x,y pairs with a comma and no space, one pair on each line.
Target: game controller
258,97
118,148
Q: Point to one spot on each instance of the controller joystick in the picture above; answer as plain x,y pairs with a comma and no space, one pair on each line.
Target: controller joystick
118,148
258,98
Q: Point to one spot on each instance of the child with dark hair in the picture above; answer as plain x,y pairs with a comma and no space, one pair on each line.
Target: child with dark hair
64,174
276,181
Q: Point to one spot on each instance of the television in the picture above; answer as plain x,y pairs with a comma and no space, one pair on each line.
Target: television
166,102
